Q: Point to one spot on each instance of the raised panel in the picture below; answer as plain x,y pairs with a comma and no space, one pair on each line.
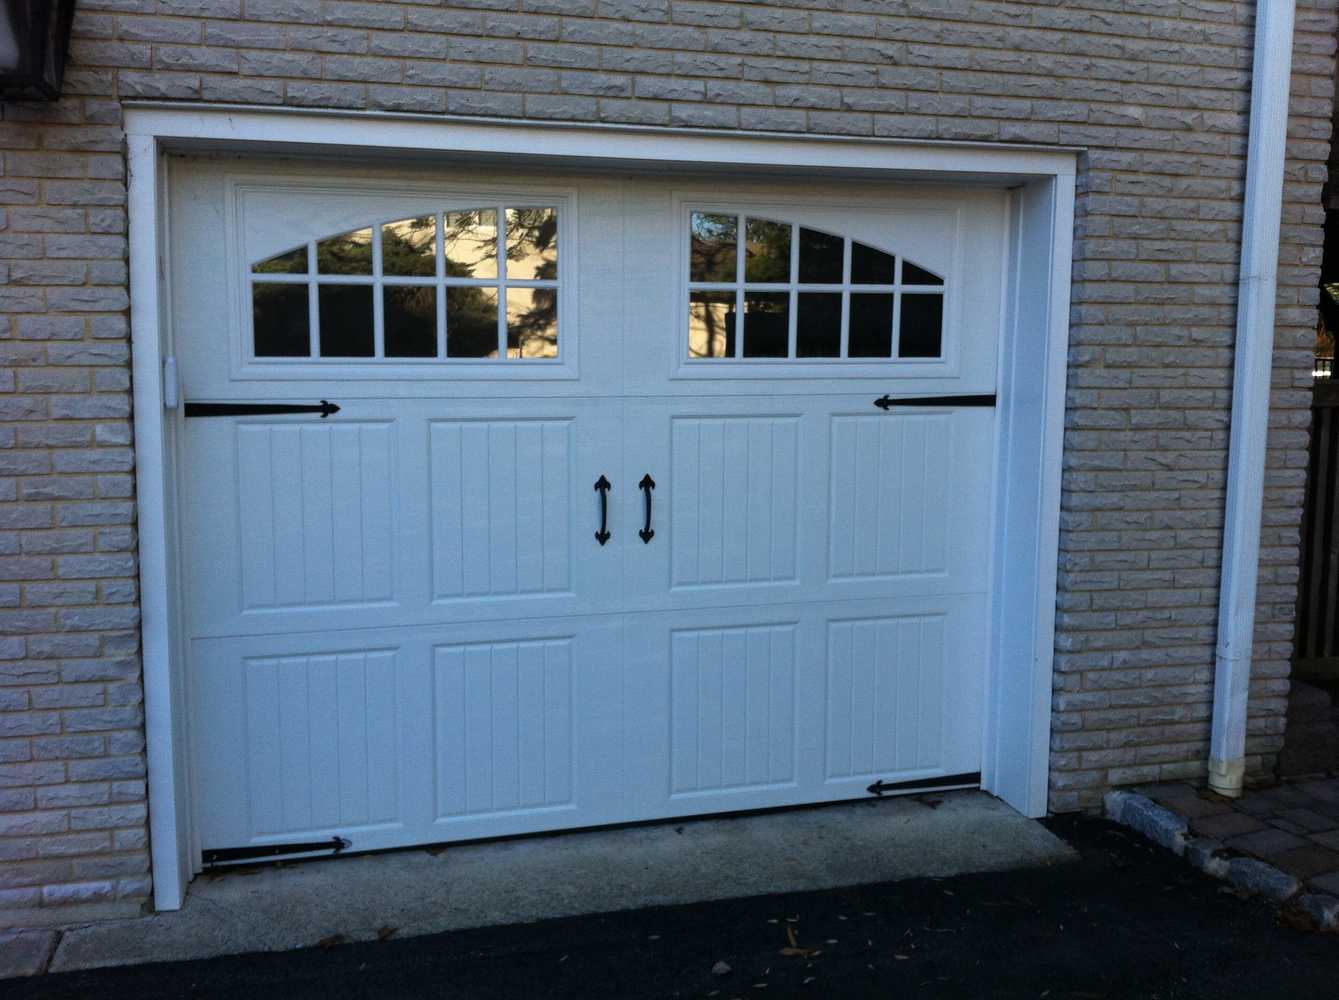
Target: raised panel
890,493
504,727
321,750
316,516
732,709
885,695
733,500
501,508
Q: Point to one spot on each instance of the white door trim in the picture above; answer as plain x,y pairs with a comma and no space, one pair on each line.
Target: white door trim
1032,382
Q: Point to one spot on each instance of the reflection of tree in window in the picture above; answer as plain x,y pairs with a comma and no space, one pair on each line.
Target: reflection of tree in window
766,250
409,248
471,244
410,321
347,254
280,320
471,322
713,253
711,324
532,243
532,322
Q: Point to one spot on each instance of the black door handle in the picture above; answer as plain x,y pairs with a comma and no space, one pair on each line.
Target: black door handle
602,487
646,486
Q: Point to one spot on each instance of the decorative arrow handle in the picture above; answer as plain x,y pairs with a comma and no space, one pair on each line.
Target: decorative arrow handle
602,487
646,486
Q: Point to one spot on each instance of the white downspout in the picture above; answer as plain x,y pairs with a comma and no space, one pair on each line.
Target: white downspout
1270,80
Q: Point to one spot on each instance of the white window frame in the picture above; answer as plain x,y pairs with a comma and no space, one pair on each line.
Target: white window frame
939,364
1031,380
247,366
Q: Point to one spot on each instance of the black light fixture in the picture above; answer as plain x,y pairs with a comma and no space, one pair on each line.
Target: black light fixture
34,36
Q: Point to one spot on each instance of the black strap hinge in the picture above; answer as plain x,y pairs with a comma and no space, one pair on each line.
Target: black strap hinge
886,403
219,855
325,408
968,780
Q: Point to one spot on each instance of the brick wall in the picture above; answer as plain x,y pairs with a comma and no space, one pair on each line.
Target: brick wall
1156,91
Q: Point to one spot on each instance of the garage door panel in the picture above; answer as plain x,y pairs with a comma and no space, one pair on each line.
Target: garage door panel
909,497
505,726
903,690
806,498
315,507
456,511
424,618
732,708
735,484
409,735
746,708
502,506
307,738
889,490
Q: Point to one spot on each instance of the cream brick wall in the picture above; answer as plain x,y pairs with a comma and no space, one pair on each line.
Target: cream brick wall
1156,92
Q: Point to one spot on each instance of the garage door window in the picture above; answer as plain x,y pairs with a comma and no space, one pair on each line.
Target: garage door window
804,293
473,285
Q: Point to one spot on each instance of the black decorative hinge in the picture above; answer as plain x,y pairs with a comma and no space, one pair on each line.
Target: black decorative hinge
968,780
324,408
221,854
886,403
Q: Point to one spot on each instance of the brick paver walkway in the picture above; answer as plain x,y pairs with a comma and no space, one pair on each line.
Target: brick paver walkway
1293,826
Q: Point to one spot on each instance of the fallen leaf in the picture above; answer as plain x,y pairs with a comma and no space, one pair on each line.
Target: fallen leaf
386,933
721,968
331,941
794,952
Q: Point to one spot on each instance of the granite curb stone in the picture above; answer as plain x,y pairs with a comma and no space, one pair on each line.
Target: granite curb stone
1167,829
26,953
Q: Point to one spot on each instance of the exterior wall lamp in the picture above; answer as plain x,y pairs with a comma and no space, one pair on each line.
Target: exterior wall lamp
34,38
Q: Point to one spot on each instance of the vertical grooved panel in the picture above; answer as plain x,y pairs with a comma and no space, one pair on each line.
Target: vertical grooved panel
885,679
501,507
732,708
890,495
733,513
322,749
316,516
503,727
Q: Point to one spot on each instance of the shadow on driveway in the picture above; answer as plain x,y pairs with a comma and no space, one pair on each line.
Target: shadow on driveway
1128,920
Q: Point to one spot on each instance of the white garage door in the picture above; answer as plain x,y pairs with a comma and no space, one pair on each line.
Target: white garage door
606,525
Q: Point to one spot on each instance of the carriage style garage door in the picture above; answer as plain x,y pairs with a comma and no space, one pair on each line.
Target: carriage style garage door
520,501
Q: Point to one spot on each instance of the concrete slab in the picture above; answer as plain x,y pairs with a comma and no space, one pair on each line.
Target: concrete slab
418,892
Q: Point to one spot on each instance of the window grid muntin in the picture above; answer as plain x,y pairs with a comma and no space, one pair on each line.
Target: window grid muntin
313,279
740,287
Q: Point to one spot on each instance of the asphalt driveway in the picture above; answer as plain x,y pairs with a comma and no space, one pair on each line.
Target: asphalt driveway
1127,920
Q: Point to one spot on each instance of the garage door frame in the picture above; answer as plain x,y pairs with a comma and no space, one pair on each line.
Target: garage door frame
1031,382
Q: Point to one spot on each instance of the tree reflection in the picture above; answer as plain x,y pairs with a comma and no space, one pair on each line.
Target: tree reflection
766,250
713,251
409,248
532,243
532,322
350,253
